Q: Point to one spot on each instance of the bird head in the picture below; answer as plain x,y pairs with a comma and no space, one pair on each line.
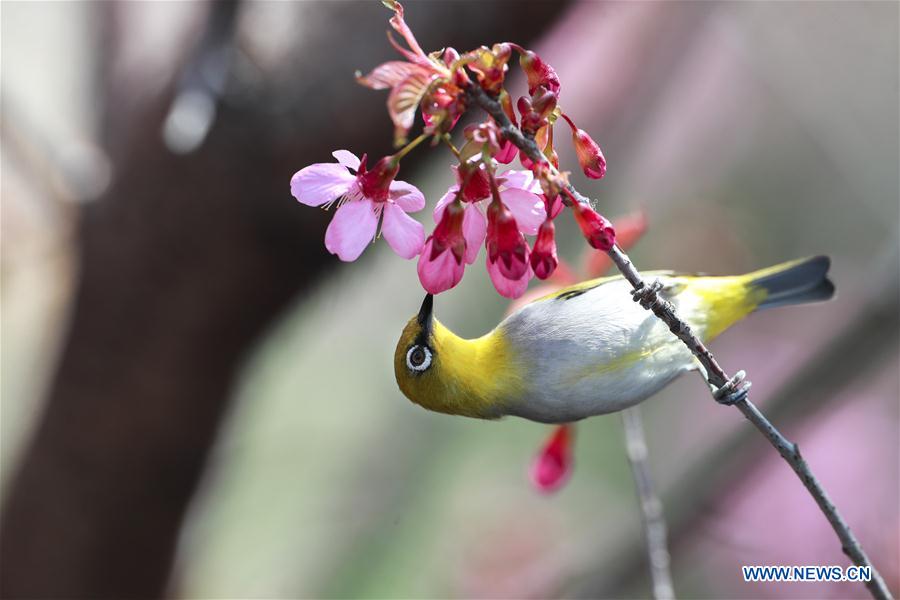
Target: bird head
415,365
440,371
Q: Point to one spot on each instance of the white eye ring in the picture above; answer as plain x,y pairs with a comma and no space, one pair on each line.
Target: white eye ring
426,361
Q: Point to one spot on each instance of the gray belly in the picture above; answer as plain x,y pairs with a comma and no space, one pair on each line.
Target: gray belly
590,355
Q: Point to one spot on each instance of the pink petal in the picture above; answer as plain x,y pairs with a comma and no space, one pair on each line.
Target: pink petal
407,196
444,201
351,229
553,464
387,75
403,233
507,153
440,274
474,230
520,179
527,208
320,183
403,101
347,158
508,288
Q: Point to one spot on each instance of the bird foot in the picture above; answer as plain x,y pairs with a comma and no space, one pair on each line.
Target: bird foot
647,295
734,390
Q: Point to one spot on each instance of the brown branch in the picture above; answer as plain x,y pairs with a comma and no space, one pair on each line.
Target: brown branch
726,390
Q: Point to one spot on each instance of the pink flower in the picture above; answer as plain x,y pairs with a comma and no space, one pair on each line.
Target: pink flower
362,199
505,242
506,287
553,464
441,264
520,194
507,252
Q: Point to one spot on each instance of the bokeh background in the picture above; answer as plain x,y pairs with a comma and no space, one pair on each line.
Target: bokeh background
198,401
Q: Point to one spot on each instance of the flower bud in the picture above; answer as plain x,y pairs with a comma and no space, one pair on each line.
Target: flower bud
596,229
506,245
590,157
544,102
552,467
538,72
449,234
508,150
531,120
543,257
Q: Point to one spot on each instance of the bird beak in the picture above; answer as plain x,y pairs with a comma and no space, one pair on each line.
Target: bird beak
424,317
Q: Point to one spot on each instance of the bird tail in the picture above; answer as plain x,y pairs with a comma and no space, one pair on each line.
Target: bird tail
795,282
730,299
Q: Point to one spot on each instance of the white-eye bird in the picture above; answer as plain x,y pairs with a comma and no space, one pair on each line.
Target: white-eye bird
588,349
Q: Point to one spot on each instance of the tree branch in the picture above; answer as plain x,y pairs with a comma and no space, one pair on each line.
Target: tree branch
732,390
652,517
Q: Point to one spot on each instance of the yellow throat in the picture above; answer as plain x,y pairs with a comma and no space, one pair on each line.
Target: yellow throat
472,378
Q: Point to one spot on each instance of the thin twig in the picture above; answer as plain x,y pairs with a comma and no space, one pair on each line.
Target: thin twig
652,516
718,380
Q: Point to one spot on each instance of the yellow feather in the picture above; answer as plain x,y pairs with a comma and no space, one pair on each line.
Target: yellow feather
468,377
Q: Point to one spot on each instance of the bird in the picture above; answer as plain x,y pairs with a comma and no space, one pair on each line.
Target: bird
587,349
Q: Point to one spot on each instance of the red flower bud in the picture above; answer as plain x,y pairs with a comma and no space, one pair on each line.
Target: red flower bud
596,229
543,258
506,245
449,233
375,184
508,150
590,157
531,120
552,467
538,72
544,102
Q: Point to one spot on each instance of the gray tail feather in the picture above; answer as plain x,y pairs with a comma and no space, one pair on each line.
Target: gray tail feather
804,282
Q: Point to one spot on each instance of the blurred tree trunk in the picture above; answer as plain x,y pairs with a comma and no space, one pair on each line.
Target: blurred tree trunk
184,263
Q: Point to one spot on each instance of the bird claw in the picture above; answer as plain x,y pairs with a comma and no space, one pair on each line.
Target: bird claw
734,390
646,295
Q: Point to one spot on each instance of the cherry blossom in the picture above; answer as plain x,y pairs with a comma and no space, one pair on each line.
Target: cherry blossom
362,198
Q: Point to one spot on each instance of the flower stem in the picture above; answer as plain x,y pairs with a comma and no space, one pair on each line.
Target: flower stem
409,147
446,139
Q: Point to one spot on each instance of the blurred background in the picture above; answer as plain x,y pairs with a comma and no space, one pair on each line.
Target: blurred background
199,402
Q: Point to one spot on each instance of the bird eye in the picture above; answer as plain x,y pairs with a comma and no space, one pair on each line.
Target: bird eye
418,358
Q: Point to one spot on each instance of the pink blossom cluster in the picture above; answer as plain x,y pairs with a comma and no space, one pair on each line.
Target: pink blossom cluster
488,204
